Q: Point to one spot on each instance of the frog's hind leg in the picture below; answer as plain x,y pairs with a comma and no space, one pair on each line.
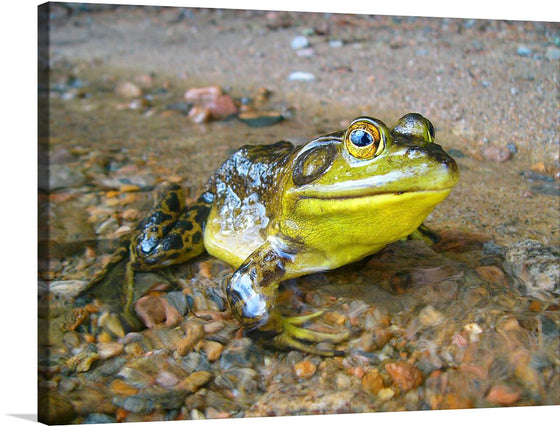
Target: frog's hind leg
171,233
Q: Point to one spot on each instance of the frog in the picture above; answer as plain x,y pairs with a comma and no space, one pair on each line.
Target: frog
280,211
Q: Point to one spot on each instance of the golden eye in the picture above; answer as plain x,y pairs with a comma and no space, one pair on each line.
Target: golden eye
363,139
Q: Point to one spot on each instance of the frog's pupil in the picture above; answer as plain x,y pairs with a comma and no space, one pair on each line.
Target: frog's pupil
360,138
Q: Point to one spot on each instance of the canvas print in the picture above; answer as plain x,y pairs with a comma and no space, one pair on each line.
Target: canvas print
256,213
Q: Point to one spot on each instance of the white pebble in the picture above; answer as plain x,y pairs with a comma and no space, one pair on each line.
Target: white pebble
299,42
301,76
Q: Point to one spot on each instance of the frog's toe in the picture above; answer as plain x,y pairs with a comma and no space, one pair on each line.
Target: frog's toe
300,320
296,338
313,336
290,334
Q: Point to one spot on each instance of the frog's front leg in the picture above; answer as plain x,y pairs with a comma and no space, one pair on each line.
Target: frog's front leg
425,234
252,292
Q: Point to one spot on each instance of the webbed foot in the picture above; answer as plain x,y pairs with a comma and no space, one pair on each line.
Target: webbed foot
291,334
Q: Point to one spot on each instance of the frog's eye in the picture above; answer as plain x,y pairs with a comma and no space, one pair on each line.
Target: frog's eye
414,125
364,139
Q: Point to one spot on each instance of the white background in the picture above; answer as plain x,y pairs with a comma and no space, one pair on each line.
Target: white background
18,220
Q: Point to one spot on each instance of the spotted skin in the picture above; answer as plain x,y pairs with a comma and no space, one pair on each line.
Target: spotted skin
171,233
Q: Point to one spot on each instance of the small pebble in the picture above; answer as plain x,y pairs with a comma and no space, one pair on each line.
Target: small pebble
98,418
110,349
524,51
429,316
343,381
336,43
473,330
405,376
166,379
496,154
207,93
301,76
372,382
305,369
194,381
492,273
127,90
386,394
213,350
552,53
299,42
261,118
119,387
194,333
502,395
222,107
306,53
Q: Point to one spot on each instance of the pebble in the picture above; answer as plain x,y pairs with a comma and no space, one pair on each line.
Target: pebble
305,369
199,115
405,376
194,381
203,94
473,330
222,107
111,323
261,118
67,288
342,381
492,273
153,310
552,53
82,362
194,362
336,43
98,418
495,154
194,333
166,379
60,177
308,52
107,350
524,51
429,316
119,387
372,381
127,90
212,349
535,267
137,404
502,395
301,76
299,42
386,394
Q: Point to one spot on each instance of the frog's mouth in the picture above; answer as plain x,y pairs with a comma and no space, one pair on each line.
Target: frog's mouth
391,184
352,193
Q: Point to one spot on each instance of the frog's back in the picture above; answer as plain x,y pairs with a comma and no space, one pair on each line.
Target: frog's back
245,191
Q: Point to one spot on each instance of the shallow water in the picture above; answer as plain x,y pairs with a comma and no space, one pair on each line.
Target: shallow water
434,327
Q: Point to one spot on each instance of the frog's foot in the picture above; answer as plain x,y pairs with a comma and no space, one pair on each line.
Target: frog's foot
425,234
294,336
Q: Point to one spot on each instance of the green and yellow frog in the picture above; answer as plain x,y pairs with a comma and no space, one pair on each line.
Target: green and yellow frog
280,211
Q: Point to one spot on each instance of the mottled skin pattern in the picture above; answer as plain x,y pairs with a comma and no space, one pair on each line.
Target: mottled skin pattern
277,211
